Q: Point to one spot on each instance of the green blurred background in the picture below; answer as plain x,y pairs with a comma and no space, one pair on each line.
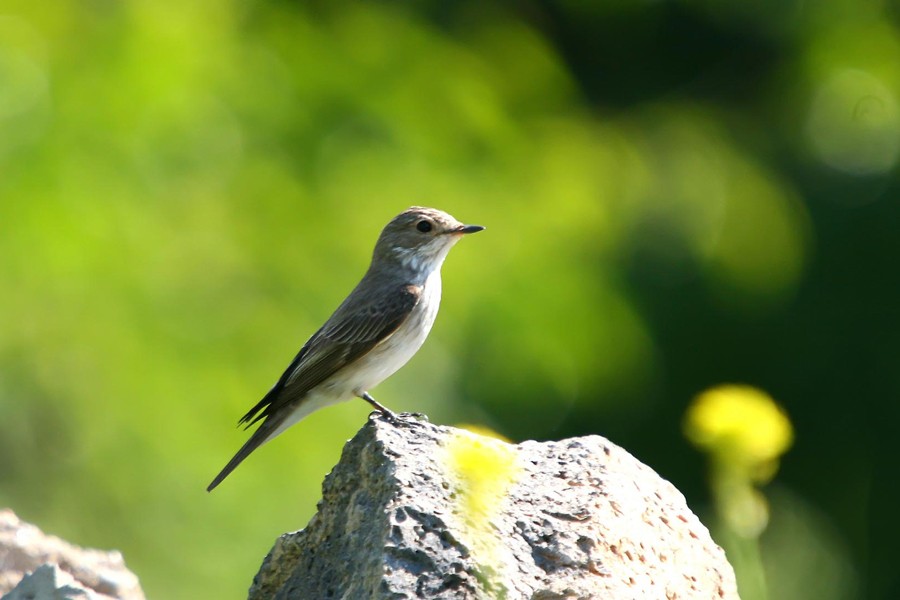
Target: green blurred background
678,193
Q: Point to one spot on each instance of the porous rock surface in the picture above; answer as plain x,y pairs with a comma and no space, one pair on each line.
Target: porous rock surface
37,566
583,519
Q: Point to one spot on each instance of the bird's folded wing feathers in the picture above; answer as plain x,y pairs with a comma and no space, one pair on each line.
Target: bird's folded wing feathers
351,332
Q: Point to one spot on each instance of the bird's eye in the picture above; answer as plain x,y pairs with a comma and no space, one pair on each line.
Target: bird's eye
423,226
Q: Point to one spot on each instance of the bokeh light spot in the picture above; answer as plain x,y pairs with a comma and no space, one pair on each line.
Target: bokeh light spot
853,123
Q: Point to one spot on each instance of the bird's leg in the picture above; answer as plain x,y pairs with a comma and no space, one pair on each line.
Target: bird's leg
382,409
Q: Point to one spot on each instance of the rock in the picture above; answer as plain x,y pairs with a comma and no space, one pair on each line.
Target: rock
413,510
47,582
58,569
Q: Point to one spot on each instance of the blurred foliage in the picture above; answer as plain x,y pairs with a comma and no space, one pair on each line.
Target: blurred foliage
677,193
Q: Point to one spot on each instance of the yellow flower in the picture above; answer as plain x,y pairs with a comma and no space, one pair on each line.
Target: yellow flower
485,468
741,427
484,431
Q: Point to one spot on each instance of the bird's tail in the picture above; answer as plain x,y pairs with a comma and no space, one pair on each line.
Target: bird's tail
270,428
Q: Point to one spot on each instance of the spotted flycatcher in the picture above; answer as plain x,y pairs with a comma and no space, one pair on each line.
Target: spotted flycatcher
374,331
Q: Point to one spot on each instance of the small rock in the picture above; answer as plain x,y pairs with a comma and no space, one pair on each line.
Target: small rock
58,570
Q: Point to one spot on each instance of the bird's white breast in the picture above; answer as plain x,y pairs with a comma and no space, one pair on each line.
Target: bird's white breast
380,363
387,357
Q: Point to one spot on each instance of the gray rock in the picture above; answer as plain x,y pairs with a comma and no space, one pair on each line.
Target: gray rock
46,583
58,570
418,511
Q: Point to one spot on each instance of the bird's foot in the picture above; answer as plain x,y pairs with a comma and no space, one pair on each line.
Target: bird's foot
385,411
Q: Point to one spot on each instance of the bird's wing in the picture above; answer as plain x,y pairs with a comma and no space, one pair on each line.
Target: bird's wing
353,330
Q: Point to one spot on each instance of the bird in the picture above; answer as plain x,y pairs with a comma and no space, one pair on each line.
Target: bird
374,332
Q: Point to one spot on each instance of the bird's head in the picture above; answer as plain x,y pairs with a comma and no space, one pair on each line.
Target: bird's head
420,238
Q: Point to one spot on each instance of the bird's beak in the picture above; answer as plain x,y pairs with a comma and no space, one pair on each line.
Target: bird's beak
468,229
